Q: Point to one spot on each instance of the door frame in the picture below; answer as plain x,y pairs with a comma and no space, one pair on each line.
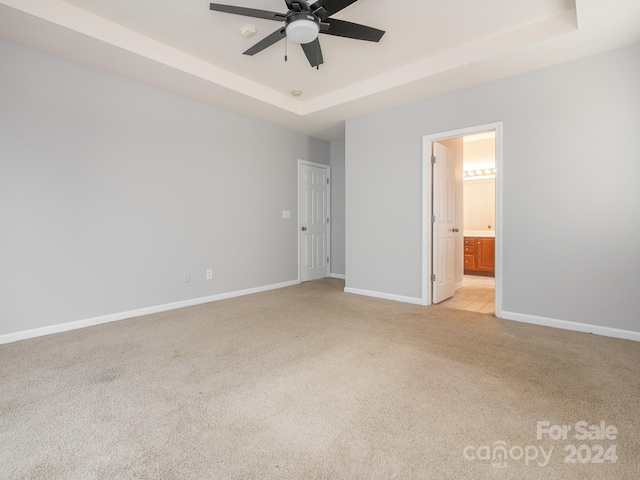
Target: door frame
427,206
328,168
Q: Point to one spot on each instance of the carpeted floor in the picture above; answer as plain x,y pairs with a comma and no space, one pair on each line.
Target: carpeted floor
308,382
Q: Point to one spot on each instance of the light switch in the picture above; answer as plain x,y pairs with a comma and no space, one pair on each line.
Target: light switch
286,214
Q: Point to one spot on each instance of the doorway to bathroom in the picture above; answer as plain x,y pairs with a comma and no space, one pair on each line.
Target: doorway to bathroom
461,224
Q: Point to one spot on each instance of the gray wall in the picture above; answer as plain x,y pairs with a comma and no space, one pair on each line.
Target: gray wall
571,178
110,190
337,206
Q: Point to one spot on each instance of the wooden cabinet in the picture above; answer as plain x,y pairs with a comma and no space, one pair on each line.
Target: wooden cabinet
469,254
479,256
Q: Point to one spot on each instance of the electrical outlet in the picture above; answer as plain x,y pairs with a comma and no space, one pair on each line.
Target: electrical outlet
209,274
286,214
187,277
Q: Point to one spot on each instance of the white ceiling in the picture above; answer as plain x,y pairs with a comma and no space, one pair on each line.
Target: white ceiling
430,47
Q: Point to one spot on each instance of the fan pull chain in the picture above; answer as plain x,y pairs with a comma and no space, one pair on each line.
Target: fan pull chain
317,54
285,49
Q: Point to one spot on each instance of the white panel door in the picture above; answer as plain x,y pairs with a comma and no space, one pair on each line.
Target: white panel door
480,204
444,229
313,222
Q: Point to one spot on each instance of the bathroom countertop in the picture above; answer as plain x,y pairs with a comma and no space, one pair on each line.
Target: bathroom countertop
480,233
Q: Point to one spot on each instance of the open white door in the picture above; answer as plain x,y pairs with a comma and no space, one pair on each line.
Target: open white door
313,208
444,229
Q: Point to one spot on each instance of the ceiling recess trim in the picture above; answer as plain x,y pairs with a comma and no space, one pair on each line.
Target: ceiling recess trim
486,48
75,19
86,23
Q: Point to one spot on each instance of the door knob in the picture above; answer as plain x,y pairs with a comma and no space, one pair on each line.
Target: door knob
304,229
454,230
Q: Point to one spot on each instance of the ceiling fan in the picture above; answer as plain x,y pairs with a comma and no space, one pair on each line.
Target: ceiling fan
303,22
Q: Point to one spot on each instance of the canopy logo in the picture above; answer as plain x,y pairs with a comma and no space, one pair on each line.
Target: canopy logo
597,453
499,454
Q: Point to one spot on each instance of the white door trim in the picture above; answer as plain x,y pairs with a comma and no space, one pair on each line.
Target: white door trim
427,199
328,168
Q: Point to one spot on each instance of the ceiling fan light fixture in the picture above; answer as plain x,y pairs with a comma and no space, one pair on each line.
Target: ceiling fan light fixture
302,24
302,31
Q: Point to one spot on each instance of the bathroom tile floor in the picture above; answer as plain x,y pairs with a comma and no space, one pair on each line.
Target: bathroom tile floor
477,295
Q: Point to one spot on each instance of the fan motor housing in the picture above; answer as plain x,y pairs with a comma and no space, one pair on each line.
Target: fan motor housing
295,16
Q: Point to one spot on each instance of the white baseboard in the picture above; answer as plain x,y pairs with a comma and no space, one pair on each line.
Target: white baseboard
90,322
341,276
518,317
575,326
386,296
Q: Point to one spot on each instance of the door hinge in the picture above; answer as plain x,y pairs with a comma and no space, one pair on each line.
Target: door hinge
433,219
327,181
433,277
433,159
327,219
327,259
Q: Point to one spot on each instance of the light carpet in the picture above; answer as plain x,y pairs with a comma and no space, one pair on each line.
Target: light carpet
308,382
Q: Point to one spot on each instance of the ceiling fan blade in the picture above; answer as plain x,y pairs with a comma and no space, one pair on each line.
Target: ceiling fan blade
248,12
313,52
331,6
267,41
340,28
